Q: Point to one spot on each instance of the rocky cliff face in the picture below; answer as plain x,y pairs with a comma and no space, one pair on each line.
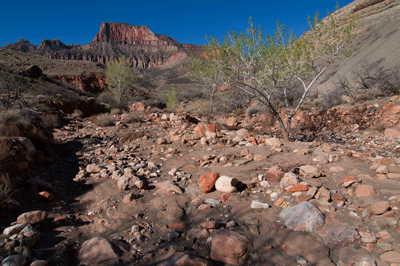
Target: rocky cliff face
127,34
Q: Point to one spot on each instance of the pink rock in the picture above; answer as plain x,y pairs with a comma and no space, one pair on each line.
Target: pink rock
380,207
231,122
298,188
32,217
348,181
365,191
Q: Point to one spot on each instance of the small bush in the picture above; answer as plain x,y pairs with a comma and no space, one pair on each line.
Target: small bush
105,120
6,187
108,99
132,118
115,111
252,110
380,127
172,99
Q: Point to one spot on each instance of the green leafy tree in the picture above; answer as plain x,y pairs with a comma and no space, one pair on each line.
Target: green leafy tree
120,78
280,69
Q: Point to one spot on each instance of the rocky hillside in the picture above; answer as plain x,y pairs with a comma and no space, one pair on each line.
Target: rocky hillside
379,42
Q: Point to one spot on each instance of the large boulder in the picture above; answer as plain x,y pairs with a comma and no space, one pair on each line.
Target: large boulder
230,247
101,251
303,217
32,217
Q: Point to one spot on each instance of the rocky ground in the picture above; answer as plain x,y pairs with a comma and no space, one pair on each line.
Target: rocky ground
171,190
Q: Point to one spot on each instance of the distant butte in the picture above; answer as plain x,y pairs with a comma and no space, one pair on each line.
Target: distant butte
145,49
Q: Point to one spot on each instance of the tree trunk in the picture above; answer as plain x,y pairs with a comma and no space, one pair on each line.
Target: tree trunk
285,131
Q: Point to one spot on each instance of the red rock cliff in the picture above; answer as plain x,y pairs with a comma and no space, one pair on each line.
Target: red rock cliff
129,34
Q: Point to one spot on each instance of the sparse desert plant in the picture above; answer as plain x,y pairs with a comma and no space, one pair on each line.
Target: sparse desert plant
115,111
120,78
105,120
172,98
252,110
370,80
380,127
132,118
6,187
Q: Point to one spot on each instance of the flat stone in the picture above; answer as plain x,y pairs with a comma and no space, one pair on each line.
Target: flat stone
182,259
230,246
380,207
15,229
198,233
93,168
391,256
309,171
297,188
32,217
367,261
364,191
342,236
98,250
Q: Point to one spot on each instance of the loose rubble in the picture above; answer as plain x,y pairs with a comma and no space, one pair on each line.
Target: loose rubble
166,191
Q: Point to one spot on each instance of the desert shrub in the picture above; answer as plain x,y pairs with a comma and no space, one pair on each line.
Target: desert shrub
238,112
172,98
77,113
115,111
132,136
6,187
11,120
380,127
255,109
132,118
108,99
49,121
105,120
329,100
366,4
199,107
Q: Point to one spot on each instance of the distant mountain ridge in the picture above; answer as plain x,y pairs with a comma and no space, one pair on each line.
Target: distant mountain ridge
145,49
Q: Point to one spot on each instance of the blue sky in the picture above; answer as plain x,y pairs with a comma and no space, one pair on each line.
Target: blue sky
78,21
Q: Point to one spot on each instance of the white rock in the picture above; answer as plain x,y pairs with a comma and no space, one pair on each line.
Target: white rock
256,204
226,184
15,229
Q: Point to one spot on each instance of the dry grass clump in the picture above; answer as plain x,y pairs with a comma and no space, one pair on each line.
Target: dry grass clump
128,137
115,111
366,4
132,118
6,186
105,120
